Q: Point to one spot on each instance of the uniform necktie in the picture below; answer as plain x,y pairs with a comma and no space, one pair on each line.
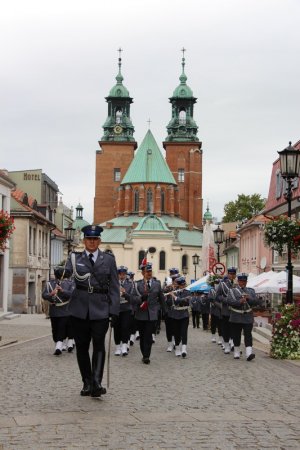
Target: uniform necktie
91,258
148,284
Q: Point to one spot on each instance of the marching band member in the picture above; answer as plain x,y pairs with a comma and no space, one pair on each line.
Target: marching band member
123,322
215,312
173,274
195,304
179,312
205,309
221,297
133,324
241,299
96,297
146,300
58,292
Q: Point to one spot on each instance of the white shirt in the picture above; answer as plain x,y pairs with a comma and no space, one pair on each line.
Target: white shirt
95,254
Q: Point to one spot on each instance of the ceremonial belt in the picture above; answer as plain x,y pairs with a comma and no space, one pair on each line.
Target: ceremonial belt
240,311
62,304
178,308
92,289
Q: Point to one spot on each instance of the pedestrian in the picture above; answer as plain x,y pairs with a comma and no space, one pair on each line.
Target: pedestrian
178,302
123,322
57,293
146,299
223,289
241,300
96,297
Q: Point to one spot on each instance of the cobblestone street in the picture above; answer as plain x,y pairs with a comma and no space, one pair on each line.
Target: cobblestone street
206,401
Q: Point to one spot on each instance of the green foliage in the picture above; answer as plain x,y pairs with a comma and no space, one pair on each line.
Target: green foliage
285,342
244,207
281,231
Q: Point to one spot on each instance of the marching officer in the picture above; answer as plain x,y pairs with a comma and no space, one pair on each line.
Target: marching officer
179,312
221,297
96,297
240,300
215,312
58,292
123,322
195,304
146,299
169,324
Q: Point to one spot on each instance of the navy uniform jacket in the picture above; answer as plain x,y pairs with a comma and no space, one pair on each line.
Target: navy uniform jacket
215,307
195,303
155,299
242,313
102,279
222,294
125,304
179,306
59,303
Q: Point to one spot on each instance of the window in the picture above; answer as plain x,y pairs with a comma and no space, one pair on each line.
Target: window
149,201
141,257
30,240
136,202
162,201
162,260
34,241
184,262
182,117
180,175
118,115
117,175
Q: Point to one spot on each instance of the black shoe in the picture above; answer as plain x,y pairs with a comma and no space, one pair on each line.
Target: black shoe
250,357
146,360
86,389
57,352
70,349
97,390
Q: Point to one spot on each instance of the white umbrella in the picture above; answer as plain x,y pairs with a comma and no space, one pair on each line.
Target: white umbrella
273,283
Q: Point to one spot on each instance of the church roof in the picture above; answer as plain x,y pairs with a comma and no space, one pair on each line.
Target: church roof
148,165
183,90
119,90
151,223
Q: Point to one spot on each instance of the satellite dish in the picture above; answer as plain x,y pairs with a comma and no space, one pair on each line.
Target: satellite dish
263,262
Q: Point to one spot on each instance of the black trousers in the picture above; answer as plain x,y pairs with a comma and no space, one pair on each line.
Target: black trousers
133,324
205,320
196,318
61,328
215,325
85,331
237,329
181,330
145,328
226,328
169,324
122,327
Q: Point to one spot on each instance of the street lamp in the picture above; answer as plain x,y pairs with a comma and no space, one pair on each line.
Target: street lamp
289,167
195,262
218,240
185,270
69,232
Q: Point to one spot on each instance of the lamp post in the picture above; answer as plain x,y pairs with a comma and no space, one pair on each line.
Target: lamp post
195,262
218,239
185,270
290,167
69,232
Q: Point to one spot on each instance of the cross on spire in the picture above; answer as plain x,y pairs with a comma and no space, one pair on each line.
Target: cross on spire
149,122
120,51
183,50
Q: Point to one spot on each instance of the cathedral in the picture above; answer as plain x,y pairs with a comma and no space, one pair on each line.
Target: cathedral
144,199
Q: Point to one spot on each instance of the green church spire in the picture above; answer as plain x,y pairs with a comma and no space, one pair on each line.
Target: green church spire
118,125
182,126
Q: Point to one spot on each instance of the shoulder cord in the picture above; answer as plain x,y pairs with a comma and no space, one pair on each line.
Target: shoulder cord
86,276
238,289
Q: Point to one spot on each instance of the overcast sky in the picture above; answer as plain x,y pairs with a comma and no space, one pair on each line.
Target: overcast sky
59,61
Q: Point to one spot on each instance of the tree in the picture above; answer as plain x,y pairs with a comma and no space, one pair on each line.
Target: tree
244,207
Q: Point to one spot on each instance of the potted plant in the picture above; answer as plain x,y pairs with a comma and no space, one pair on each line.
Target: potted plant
6,228
285,343
280,231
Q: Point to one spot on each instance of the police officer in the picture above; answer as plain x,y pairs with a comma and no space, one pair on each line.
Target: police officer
58,292
123,323
95,298
133,324
240,300
195,304
221,297
169,324
215,311
146,299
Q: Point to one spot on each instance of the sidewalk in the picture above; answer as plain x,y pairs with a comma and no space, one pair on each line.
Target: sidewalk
23,328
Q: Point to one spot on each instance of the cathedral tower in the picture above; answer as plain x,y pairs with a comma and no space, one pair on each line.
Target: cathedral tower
116,150
183,152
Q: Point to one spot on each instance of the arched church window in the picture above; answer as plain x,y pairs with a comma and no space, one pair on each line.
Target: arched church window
162,260
182,117
163,201
119,115
149,201
136,200
184,262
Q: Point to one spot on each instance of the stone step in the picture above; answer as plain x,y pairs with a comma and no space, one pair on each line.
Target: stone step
10,316
264,332
258,337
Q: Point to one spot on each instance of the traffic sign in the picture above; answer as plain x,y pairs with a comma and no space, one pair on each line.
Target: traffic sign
218,268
